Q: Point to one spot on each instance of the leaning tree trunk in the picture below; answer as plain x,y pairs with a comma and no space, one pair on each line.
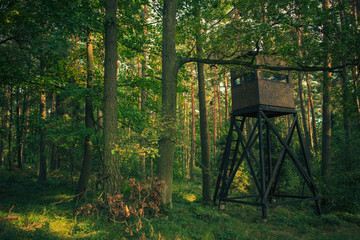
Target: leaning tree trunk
112,176
169,82
89,122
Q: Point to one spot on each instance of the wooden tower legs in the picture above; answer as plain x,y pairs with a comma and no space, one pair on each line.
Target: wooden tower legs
265,168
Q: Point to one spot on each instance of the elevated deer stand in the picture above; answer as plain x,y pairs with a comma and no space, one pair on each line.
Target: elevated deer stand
263,96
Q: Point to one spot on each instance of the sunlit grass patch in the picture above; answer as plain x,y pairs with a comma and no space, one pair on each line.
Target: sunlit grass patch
189,197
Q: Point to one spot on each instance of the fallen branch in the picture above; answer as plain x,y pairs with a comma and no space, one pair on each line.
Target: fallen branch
9,217
67,198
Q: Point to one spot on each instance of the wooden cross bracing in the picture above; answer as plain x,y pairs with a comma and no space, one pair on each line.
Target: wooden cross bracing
265,172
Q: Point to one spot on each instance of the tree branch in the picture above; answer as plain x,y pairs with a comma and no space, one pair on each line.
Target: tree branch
266,67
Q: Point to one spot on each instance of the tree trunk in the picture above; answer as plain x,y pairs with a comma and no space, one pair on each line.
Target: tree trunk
326,114
309,124
302,99
227,112
345,96
111,164
5,124
9,127
313,117
169,84
218,100
54,148
143,92
18,130
303,113
214,118
193,129
186,138
42,167
204,127
89,121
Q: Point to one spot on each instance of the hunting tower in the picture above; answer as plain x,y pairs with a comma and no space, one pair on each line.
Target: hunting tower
255,147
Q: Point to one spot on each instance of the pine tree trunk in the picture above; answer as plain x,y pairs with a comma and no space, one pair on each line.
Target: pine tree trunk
9,100
186,138
227,112
303,113
26,130
111,163
54,152
214,118
18,130
345,95
326,129
5,124
204,126
42,153
309,124
313,117
302,99
169,84
143,92
89,121
193,128
218,100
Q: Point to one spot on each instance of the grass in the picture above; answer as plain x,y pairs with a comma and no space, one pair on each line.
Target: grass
45,211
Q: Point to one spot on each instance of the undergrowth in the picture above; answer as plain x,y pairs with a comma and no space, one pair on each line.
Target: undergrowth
47,211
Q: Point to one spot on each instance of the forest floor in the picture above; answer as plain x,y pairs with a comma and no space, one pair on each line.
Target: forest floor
46,211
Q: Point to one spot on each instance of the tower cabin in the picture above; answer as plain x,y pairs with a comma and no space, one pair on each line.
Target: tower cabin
270,91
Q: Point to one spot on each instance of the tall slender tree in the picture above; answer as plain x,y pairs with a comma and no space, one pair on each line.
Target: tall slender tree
112,174
326,111
169,85
89,120
313,117
204,126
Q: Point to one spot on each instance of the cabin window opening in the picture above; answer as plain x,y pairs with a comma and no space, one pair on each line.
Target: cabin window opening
244,79
276,77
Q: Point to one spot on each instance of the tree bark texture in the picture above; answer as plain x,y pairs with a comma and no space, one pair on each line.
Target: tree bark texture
326,113
89,121
193,129
313,117
169,84
227,112
19,129
112,175
9,96
204,126
42,153
303,113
